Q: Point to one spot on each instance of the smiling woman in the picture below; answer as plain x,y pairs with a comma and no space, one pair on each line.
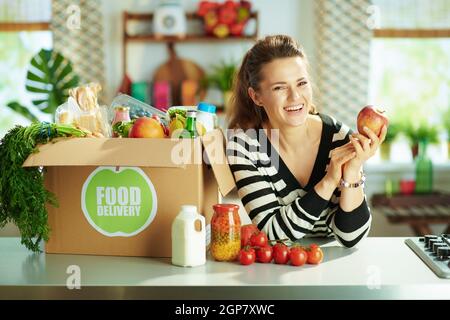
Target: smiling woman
298,172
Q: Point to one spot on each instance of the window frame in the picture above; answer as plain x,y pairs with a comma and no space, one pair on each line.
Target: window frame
411,33
24,26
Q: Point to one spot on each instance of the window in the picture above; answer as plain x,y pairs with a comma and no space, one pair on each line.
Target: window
24,30
410,63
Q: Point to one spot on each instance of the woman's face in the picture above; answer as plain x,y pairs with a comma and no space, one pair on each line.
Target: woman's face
285,92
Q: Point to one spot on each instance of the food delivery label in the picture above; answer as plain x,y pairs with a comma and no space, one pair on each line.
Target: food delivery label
119,202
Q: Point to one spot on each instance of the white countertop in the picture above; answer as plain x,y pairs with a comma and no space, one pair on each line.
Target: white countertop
381,268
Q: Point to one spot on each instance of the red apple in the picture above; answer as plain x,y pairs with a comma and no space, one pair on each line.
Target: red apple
145,127
230,4
237,29
163,126
204,7
372,118
227,15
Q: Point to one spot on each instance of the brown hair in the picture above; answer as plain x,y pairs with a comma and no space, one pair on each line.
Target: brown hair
243,113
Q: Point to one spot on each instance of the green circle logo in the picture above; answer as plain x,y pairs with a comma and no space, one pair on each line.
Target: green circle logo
118,203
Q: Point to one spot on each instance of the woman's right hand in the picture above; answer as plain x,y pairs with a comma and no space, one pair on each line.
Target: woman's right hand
339,156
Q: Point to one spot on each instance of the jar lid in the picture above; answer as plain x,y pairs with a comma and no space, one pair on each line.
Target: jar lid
122,108
225,207
206,107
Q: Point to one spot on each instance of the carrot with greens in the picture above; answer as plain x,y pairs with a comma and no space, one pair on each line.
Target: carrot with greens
22,193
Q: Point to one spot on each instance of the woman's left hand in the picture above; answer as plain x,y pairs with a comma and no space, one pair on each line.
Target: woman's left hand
365,147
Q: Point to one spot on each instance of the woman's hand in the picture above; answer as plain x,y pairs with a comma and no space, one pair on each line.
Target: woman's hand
339,156
365,147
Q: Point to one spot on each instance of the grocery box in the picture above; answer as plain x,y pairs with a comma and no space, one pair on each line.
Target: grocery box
120,196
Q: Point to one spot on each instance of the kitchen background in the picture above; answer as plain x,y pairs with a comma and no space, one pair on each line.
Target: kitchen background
393,54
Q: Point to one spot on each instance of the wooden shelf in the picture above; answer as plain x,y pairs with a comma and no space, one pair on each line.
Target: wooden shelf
416,210
406,201
173,69
129,16
411,33
187,39
170,41
24,26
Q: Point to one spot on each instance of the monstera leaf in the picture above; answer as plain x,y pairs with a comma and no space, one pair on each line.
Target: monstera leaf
50,76
24,111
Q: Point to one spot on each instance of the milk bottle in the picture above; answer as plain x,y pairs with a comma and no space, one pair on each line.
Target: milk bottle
188,238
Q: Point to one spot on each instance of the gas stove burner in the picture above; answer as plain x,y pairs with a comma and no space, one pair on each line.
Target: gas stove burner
434,251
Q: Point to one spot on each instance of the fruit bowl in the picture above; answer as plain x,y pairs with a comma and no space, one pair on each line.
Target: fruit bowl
224,19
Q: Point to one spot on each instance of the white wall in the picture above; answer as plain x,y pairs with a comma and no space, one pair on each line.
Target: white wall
291,17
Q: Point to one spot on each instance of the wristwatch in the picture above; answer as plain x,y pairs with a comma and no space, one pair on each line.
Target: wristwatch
360,183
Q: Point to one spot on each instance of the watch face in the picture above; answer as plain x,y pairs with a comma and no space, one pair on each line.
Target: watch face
168,22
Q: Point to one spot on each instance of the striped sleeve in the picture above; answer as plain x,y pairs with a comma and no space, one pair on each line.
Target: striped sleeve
349,228
257,193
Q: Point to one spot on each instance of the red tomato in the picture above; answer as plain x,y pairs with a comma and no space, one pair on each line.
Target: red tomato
315,254
247,256
264,254
259,239
246,232
298,256
280,253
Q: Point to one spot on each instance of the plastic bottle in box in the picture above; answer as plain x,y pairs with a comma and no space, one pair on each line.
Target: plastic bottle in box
206,114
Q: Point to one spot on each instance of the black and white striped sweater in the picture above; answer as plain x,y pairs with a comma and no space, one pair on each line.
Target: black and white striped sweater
278,204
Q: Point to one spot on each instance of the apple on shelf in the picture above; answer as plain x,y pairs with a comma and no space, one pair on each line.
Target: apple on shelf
372,118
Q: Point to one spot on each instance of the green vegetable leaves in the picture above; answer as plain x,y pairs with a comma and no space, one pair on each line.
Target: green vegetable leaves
23,196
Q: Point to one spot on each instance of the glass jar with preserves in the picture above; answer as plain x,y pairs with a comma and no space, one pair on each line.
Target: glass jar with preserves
225,232
121,114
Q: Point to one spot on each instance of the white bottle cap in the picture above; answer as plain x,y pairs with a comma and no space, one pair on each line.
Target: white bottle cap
189,208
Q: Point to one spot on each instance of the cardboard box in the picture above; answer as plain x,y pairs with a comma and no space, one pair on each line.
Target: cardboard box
120,196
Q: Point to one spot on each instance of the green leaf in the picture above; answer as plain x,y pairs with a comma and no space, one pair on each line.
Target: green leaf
71,83
30,88
33,77
41,104
22,110
65,71
58,60
58,77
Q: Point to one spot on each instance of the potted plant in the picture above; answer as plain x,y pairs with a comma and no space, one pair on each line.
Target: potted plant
222,78
420,131
49,76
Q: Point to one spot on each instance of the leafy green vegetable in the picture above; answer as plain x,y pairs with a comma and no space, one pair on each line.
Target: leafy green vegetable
122,128
174,111
22,193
